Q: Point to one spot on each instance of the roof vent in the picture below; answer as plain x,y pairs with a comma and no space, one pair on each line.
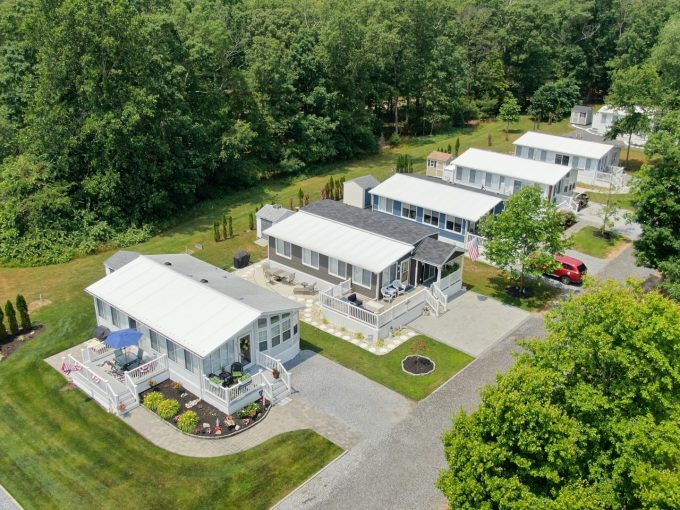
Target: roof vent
203,280
277,206
167,263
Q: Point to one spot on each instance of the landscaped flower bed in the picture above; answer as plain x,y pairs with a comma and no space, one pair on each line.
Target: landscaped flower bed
184,410
417,365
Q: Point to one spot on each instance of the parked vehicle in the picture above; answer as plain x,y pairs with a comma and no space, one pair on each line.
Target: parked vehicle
581,200
571,271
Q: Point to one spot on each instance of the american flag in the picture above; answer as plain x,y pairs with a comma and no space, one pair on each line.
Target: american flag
473,249
65,368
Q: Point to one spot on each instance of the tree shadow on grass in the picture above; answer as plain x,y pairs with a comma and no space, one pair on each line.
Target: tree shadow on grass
498,288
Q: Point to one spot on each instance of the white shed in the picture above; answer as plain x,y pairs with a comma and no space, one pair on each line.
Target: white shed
581,115
356,192
268,216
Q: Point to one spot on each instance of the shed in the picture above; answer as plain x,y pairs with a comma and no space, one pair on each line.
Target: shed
436,161
581,115
356,192
270,215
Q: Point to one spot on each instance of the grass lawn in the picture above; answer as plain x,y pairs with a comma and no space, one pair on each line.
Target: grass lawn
493,282
386,369
587,242
623,200
60,450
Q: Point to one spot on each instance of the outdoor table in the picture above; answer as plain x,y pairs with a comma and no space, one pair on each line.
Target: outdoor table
374,306
279,274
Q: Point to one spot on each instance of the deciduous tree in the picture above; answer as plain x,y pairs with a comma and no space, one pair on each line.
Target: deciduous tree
509,112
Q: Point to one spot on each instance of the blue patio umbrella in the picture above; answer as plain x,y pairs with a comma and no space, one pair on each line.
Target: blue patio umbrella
123,338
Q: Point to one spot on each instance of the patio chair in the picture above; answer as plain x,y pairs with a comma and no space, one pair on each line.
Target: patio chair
290,278
399,286
388,292
137,361
120,358
236,369
352,298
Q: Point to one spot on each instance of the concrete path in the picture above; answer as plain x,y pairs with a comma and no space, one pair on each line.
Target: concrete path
7,502
623,267
472,324
399,471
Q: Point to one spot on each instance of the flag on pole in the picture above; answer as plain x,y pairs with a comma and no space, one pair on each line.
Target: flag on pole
473,249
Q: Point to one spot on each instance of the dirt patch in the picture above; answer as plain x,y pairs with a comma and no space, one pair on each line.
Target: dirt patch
10,345
417,365
37,305
212,423
618,250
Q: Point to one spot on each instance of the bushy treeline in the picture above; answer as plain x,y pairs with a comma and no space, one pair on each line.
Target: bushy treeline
116,114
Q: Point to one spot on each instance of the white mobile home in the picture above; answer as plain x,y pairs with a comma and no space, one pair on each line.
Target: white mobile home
605,118
505,174
589,158
196,319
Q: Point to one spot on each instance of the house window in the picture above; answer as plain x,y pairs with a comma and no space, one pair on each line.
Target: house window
276,335
531,153
116,318
337,268
408,211
454,224
501,183
386,204
561,159
101,308
431,163
431,217
283,248
261,323
285,327
295,329
361,276
310,258
189,361
389,274
459,173
487,180
577,161
473,176
132,324
155,344
544,155
172,350
262,339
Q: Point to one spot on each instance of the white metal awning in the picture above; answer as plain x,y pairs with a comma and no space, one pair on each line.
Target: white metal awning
354,246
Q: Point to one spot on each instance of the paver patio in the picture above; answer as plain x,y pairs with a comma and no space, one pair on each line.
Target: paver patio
472,324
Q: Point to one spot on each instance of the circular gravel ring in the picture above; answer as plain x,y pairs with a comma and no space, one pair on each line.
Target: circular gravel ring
434,366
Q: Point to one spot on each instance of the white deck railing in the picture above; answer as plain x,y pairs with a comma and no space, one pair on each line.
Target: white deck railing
91,382
450,279
272,363
412,301
236,392
148,369
95,352
348,309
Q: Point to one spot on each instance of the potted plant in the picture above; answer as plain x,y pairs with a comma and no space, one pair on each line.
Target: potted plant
275,373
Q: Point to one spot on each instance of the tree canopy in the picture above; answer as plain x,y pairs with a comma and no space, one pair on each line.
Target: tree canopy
587,419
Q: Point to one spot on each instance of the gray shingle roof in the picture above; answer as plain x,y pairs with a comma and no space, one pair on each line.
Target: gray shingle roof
580,108
249,293
376,222
434,252
120,258
273,213
366,181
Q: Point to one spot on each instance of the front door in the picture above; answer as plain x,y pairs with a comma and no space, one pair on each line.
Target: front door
244,348
404,268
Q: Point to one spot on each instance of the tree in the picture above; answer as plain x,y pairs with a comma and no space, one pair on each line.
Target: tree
225,230
526,236
11,318
457,149
230,227
251,221
609,212
22,308
301,197
509,112
554,100
216,231
670,284
3,329
586,419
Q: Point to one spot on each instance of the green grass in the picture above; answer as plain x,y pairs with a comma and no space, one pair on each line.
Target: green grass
622,200
61,450
587,242
493,282
386,369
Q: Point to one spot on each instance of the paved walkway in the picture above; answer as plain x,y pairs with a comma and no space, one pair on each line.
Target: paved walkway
399,470
7,502
472,324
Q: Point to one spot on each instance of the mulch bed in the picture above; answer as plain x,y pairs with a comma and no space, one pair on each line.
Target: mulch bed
11,344
417,365
207,414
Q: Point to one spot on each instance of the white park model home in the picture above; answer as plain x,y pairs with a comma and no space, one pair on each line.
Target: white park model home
506,174
593,160
196,319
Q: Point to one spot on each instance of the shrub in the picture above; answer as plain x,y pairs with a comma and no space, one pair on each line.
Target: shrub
394,140
151,400
22,308
11,315
188,421
167,409
249,411
569,218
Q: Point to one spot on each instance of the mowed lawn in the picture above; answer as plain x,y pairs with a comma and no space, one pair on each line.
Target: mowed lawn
621,200
493,282
386,369
587,241
60,450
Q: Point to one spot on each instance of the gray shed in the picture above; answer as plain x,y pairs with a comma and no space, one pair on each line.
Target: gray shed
268,216
582,115
356,191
